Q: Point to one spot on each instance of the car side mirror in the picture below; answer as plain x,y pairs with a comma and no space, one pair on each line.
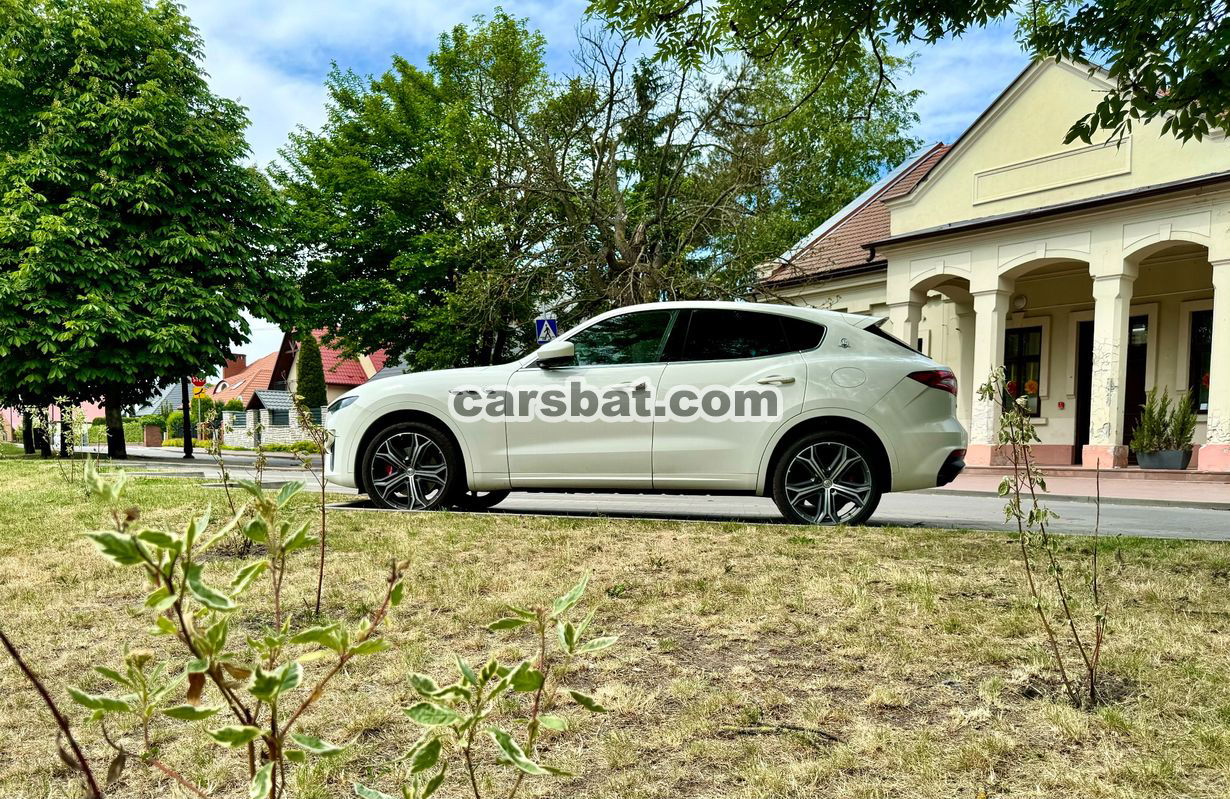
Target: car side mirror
556,353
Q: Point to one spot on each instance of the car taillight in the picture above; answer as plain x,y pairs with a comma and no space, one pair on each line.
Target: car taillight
943,379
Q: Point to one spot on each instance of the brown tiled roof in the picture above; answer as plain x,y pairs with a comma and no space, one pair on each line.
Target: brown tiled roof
841,245
240,386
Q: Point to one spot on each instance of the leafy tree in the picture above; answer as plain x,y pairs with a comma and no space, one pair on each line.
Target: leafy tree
1168,58
310,373
132,236
625,181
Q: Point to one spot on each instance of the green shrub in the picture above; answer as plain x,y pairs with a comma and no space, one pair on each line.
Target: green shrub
98,420
154,419
175,424
294,446
1164,424
134,433
178,443
311,373
234,404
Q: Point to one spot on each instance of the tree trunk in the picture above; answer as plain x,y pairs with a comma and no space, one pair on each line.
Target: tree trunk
42,440
116,448
27,432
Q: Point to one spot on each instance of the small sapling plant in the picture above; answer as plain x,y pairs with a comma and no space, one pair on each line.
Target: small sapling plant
259,684
471,712
1022,490
319,438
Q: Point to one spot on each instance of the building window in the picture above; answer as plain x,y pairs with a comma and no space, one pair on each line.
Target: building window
1023,366
1199,349
279,418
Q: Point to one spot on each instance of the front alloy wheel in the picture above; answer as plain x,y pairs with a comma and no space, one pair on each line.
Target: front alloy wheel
826,478
410,466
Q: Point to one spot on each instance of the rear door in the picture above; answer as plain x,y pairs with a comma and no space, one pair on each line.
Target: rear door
731,349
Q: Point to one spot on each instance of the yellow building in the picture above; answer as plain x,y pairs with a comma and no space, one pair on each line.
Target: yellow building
1091,272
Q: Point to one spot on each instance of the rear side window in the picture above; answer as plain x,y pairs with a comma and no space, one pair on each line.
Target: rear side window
801,334
714,334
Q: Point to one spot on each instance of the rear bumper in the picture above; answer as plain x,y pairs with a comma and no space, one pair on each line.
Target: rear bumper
954,464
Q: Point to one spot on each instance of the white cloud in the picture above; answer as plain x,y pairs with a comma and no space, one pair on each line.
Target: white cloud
961,77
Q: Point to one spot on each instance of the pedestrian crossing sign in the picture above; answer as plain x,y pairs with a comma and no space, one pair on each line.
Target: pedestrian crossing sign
546,328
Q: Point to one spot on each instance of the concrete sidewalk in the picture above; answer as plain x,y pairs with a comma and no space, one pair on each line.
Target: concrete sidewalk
1184,493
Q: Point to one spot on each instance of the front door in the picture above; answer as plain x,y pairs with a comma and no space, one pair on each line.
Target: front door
1134,383
619,354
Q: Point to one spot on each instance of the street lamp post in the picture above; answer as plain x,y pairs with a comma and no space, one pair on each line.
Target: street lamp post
186,398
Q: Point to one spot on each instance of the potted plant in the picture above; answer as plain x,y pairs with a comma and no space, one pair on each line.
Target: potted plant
1163,437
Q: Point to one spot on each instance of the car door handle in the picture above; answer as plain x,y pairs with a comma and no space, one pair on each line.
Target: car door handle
638,385
776,380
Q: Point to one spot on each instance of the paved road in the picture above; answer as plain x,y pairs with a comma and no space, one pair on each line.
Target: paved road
914,509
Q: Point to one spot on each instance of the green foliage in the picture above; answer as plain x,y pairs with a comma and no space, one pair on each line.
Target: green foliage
175,424
216,674
132,234
1164,424
134,433
310,373
1167,60
233,404
155,420
625,181
505,706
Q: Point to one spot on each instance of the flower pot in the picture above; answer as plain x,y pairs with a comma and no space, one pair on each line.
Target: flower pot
1165,459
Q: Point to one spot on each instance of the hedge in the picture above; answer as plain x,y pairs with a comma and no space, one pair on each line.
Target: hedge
134,433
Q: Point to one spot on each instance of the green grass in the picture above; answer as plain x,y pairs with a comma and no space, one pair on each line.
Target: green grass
918,648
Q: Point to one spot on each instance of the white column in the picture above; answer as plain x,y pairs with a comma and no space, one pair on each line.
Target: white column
904,318
1215,454
1112,300
990,314
966,387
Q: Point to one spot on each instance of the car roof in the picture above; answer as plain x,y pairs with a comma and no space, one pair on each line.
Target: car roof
818,315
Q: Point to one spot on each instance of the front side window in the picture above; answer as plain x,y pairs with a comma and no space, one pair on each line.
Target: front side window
1200,350
1023,366
721,335
627,339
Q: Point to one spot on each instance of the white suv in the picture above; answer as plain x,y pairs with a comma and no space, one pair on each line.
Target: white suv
855,413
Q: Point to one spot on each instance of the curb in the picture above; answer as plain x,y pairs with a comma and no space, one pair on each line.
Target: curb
1153,503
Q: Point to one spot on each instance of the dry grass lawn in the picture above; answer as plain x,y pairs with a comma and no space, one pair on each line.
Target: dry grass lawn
917,648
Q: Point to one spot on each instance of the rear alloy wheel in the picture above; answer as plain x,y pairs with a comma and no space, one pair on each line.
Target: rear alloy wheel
479,500
411,466
827,478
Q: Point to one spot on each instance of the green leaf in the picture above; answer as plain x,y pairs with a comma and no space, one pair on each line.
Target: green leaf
328,636
160,599
363,792
269,685
425,685
288,492
507,623
586,702
235,736
525,678
262,783
370,647
315,746
397,593
515,755
244,577
118,548
295,756
425,756
207,596
300,539
198,666
565,603
429,714
190,713
106,704
434,783
256,531
160,539
466,671
596,645
557,723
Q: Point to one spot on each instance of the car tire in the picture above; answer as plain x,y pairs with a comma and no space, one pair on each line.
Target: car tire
412,466
478,500
827,478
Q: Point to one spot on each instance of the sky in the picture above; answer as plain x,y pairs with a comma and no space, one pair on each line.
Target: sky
273,55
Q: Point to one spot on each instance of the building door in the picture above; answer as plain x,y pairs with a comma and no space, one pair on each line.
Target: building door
1134,385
